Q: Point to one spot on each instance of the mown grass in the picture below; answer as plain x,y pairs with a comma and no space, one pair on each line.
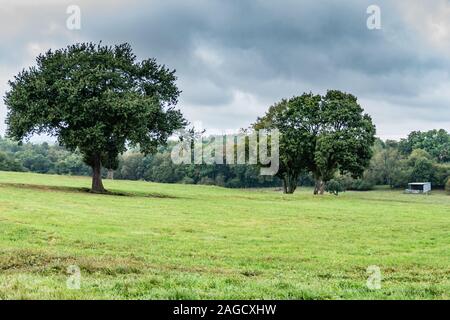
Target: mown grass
157,241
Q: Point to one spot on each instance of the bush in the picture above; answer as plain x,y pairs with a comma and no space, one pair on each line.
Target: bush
441,173
361,185
187,180
220,180
206,181
8,163
348,183
447,186
233,183
334,187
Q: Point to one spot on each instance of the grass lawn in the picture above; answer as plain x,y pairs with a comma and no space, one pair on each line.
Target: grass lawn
161,241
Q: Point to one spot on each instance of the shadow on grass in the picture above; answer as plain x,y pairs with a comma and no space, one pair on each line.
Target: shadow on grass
87,191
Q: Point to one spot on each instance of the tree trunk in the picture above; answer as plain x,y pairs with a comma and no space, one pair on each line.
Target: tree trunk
97,184
110,174
289,184
322,187
319,188
284,186
316,187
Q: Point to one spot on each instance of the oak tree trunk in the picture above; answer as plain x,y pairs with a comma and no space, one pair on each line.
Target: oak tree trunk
322,187
289,184
316,187
97,184
319,187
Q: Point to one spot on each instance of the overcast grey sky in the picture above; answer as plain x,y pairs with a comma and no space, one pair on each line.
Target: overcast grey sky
234,58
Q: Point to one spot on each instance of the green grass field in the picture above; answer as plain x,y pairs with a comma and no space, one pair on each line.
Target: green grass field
161,241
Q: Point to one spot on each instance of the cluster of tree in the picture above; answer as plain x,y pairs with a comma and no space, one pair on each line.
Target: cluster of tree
423,157
41,158
132,165
391,164
99,101
320,135
159,167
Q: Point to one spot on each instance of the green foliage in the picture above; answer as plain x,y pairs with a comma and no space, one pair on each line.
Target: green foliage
42,158
321,135
441,171
187,180
435,142
334,187
349,183
294,147
96,99
361,185
387,167
391,166
206,181
131,166
422,171
384,163
8,163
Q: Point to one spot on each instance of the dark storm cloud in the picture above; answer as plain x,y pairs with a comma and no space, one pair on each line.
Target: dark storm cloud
234,58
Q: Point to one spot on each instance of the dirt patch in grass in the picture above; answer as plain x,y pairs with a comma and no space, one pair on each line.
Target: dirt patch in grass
45,263
251,273
34,261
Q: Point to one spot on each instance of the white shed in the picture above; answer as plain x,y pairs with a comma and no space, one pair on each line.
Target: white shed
419,187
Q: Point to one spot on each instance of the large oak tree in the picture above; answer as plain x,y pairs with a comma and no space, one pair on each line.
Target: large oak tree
97,99
321,135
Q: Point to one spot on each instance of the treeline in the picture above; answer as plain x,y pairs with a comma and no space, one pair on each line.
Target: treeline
40,158
133,165
160,168
422,156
